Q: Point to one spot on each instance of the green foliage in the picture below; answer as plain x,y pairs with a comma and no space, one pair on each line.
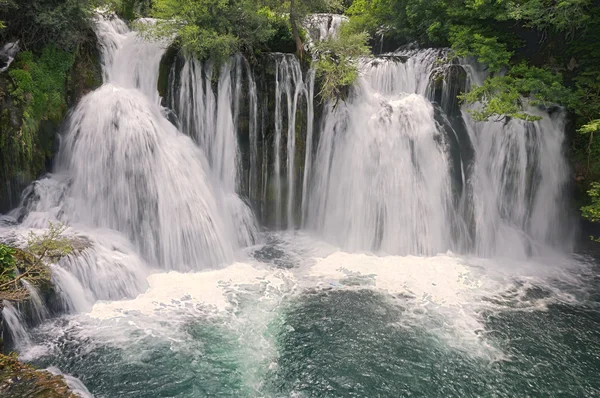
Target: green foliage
592,211
51,244
585,101
7,263
508,95
303,7
213,28
31,264
37,23
128,9
216,29
590,127
563,15
282,39
38,85
337,61
428,22
467,41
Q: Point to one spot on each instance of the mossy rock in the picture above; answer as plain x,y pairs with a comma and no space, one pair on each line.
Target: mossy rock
19,295
18,380
29,121
86,73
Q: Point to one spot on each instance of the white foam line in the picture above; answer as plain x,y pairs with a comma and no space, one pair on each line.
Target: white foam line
443,279
208,290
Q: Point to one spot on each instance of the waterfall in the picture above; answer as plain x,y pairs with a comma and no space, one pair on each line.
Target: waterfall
150,182
403,72
137,192
518,181
382,176
14,322
217,118
127,60
96,266
38,306
397,173
308,158
289,86
212,121
8,53
518,184
398,168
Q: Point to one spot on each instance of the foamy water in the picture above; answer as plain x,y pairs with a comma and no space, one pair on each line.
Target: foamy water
445,293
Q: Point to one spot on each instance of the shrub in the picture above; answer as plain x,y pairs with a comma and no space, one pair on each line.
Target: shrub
337,61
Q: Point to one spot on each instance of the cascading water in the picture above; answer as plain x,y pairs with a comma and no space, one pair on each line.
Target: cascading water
7,55
382,180
16,326
129,184
386,178
213,119
288,85
518,182
129,61
150,182
38,306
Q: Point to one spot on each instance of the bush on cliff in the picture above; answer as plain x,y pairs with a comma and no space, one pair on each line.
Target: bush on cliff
31,263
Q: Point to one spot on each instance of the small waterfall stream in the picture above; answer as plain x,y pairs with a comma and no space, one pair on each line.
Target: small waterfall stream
216,119
16,326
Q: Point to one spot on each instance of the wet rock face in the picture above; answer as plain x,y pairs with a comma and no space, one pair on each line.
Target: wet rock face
18,380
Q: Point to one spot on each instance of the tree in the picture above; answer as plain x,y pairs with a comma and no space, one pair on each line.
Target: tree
297,11
36,23
213,29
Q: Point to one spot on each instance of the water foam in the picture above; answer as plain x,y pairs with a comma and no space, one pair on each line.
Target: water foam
203,293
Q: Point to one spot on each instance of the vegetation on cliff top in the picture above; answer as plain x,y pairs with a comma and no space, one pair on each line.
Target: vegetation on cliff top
217,29
337,61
